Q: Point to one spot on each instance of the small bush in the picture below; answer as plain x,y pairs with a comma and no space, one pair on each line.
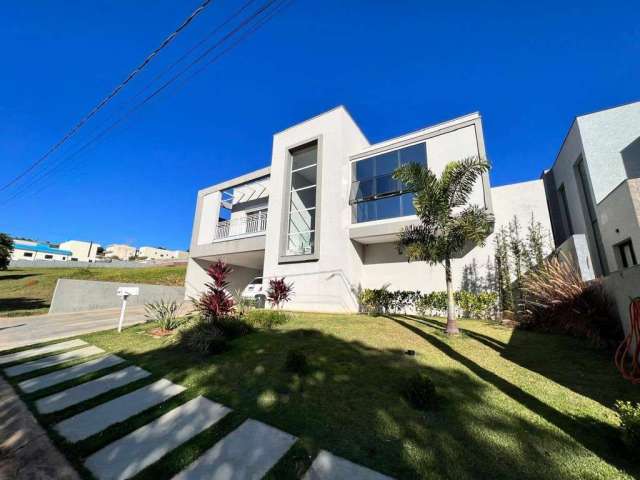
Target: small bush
261,318
629,414
215,301
420,392
233,327
203,337
279,292
296,362
163,312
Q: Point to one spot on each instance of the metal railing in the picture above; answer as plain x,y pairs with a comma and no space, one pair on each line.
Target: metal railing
252,223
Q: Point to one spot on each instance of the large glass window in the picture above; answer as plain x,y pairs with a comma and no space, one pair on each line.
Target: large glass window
301,227
374,192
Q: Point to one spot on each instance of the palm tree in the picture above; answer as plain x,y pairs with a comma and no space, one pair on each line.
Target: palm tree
447,222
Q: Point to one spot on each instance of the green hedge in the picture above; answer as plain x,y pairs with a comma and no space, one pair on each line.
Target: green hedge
471,305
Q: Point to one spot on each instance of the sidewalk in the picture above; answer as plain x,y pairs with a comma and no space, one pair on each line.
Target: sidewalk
21,331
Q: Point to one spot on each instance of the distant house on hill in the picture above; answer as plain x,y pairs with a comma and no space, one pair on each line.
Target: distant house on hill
29,250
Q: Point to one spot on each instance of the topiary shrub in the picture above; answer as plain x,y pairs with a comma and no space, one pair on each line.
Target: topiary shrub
420,392
629,414
261,318
296,362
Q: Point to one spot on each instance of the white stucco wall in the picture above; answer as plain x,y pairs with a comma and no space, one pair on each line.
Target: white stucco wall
83,251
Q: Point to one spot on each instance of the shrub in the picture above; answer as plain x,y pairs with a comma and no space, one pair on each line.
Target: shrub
243,304
556,299
279,292
420,392
261,318
629,422
163,312
203,337
216,302
233,327
296,362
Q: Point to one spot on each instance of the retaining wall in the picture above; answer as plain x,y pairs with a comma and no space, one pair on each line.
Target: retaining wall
65,264
80,295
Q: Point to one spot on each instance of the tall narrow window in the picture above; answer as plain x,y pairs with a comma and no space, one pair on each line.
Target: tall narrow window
592,218
301,229
626,255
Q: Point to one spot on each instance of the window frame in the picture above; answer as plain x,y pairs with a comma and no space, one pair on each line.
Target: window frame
283,257
623,261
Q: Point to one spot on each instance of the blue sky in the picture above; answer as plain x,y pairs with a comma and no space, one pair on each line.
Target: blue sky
528,67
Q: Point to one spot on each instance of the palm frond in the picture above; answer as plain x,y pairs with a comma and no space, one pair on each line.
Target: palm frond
459,178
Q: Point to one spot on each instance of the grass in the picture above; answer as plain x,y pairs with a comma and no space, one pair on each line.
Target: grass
28,291
512,404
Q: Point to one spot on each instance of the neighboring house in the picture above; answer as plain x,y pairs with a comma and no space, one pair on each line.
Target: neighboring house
326,214
81,251
123,252
28,250
593,191
155,253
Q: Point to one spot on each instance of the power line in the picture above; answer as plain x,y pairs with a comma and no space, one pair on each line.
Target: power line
111,95
243,24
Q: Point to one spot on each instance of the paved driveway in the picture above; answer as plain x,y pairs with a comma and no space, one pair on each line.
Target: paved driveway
21,331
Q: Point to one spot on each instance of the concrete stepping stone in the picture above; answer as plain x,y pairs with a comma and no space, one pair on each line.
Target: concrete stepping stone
52,360
127,456
248,452
80,393
96,419
327,466
33,352
38,383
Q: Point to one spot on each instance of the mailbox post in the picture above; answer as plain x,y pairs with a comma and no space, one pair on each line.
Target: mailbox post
124,293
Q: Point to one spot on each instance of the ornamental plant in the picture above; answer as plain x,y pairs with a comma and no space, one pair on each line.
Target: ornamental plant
279,292
216,302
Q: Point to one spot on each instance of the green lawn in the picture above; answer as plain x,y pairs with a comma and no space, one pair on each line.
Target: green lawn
513,404
28,291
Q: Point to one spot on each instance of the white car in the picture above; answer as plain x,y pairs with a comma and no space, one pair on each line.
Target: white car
254,290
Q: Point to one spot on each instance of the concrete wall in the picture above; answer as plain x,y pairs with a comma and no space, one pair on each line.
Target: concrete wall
81,251
81,295
623,286
197,277
67,264
576,249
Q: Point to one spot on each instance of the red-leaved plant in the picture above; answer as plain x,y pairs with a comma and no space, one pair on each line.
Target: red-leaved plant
279,292
216,302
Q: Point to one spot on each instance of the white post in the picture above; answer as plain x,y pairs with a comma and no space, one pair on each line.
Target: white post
122,309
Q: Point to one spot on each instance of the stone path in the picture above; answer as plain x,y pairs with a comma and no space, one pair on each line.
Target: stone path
52,361
85,391
327,466
98,418
34,352
34,384
248,452
130,454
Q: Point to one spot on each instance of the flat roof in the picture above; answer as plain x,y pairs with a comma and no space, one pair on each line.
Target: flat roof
42,248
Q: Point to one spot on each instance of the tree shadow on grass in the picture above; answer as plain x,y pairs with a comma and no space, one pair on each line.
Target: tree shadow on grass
600,438
17,276
350,403
21,303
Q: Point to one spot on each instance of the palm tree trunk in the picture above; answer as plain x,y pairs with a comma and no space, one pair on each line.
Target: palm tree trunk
452,324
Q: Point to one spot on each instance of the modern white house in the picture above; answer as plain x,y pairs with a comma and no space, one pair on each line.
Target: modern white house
120,251
326,212
156,253
81,251
593,189
28,250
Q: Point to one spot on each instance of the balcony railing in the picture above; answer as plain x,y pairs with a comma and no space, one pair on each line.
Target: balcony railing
237,227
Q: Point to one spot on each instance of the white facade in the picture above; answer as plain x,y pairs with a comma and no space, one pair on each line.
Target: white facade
312,217
28,250
123,252
154,253
594,187
81,251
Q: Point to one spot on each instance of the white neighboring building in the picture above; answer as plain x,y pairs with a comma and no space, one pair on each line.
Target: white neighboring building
154,253
326,214
81,251
28,250
121,251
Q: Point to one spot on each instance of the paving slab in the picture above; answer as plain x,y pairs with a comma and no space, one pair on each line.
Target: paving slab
26,453
248,452
96,419
85,391
33,352
38,383
327,466
129,455
52,360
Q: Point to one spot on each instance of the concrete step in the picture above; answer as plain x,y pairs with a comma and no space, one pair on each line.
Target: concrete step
52,361
327,466
33,352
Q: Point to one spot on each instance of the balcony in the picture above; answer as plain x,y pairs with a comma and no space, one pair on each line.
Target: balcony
249,225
